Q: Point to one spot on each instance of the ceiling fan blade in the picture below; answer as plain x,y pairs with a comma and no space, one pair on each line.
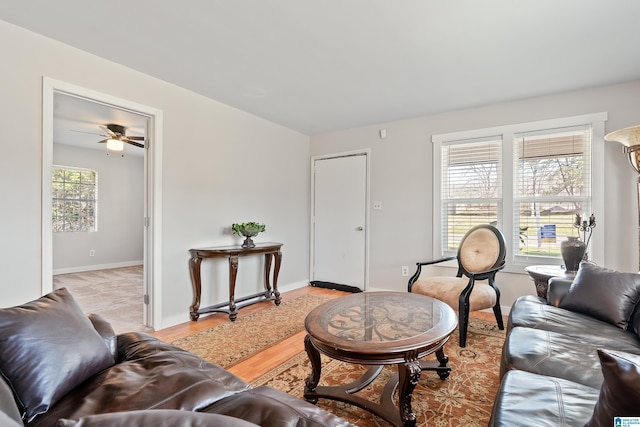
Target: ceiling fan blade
107,130
90,133
104,140
137,144
135,138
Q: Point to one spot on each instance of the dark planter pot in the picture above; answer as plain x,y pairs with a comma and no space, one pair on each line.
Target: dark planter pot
572,251
248,242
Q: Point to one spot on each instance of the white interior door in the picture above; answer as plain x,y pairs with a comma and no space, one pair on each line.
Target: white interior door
340,220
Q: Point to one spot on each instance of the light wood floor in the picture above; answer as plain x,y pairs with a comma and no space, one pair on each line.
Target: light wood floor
265,360
115,294
268,359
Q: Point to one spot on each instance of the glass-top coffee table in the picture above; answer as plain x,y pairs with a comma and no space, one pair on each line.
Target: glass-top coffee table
379,328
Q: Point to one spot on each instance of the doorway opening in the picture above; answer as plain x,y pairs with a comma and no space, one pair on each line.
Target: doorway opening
149,217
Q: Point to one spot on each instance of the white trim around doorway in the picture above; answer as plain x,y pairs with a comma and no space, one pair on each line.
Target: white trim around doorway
153,190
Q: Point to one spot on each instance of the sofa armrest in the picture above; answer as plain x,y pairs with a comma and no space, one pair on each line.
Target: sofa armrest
105,330
558,288
136,345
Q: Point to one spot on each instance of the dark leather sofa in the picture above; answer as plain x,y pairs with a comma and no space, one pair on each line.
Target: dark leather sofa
573,359
60,367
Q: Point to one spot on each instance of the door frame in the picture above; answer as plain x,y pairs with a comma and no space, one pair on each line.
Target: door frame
152,221
367,153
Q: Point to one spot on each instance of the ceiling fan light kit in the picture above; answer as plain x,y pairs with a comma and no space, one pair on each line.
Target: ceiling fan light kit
115,145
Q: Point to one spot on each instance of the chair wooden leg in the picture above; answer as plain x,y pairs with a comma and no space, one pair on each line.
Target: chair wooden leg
497,311
463,317
463,324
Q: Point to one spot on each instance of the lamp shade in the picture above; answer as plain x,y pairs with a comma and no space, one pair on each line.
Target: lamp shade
630,138
115,145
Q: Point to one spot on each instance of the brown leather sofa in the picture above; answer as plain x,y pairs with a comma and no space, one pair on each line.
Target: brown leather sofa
60,367
573,359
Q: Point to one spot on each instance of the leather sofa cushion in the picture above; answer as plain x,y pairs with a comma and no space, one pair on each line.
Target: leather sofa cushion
151,374
603,293
531,399
48,347
156,418
620,392
552,354
267,406
533,312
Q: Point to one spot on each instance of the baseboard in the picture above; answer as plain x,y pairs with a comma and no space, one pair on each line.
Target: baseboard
292,286
96,267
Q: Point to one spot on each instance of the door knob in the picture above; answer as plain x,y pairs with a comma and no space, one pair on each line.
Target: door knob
360,228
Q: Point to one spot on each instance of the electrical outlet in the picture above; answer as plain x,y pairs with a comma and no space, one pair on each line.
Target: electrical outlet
92,252
405,270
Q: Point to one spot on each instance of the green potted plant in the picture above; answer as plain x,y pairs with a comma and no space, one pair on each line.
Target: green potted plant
248,230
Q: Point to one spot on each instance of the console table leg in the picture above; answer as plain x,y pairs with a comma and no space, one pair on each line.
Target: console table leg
276,271
233,273
194,270
267,276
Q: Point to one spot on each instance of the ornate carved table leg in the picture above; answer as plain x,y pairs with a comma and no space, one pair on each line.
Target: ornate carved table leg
409,375
267,275
276,271
233,273
194,270
313,379
444,364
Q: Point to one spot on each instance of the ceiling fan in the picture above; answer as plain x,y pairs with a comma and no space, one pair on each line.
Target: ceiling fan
116,136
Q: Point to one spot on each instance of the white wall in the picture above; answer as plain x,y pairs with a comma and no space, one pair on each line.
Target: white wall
401,176
220,165
118,240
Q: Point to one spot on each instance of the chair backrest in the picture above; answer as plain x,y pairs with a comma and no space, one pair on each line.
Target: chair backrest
482,248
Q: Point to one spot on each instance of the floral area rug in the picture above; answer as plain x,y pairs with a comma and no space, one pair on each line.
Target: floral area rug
232,342
463,399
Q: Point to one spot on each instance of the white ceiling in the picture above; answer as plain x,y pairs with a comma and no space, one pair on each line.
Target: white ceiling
322,65
76,121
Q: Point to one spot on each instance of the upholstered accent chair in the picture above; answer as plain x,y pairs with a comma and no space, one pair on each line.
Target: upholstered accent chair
481,255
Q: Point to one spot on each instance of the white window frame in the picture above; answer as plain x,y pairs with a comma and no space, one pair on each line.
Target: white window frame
95,198
506,223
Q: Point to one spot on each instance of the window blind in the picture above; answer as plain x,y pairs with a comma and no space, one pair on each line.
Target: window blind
552,185
471,187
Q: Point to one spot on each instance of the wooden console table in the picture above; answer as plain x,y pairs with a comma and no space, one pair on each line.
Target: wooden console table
270,250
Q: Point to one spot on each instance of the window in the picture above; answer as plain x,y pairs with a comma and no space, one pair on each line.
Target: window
471,187
530,180
74,199
553,184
